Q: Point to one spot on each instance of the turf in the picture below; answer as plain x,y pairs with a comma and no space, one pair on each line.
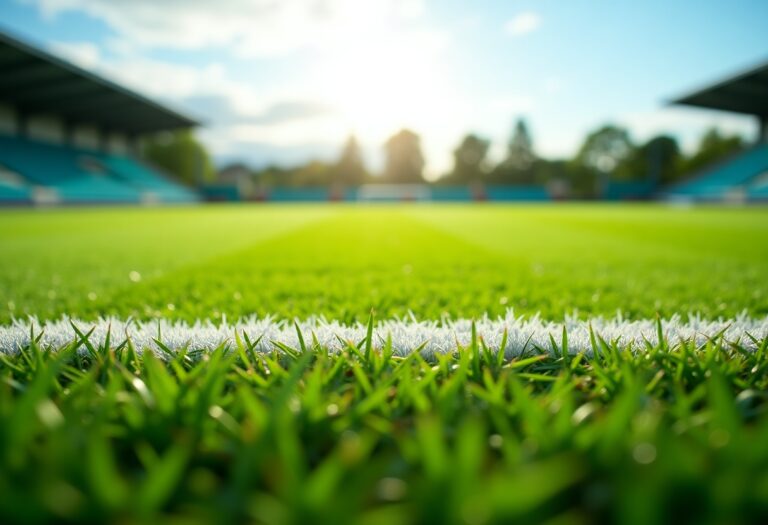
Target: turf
299,435
627,420
339,262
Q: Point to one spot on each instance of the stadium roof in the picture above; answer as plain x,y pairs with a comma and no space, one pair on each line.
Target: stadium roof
37,82
743,93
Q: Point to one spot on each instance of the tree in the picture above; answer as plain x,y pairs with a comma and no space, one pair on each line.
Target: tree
350,166
602,157
180,154
404,162
518,167
273,175
657,160
604,150
520,154
713,147
314,173
469,160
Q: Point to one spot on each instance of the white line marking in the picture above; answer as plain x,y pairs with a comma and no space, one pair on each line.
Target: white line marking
523,333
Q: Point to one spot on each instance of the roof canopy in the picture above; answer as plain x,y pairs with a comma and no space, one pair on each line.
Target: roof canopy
34,81
744,93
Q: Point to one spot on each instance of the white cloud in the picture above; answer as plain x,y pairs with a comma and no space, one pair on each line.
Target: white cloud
248,27
230,110
375,66
286,125
523,23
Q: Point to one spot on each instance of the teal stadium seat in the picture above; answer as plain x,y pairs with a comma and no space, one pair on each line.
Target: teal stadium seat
13,194
516,193
757,191
298,195
733,175
144,178
451,194
629,190
82,176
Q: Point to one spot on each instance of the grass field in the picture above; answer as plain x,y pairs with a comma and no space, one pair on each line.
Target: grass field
341,262
582,417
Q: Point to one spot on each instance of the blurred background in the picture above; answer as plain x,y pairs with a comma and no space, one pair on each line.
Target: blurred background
105,101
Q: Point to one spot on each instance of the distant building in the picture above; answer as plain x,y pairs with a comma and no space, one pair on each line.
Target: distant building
238,176
69,136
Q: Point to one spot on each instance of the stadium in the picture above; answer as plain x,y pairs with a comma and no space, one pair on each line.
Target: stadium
72,137
226,318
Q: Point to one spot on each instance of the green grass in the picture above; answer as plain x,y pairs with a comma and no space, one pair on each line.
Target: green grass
94,434
300,436
342,261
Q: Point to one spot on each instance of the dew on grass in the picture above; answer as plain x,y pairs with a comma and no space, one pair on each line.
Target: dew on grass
391,489
644,453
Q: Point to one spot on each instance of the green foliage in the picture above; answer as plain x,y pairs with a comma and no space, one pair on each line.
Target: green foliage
520,164
404,160
180,154
300,435
601,157
313,173
469,161
350,168
339,261
607,155
659,159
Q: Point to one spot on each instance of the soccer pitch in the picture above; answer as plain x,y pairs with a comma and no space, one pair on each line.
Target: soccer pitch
342,261
384,364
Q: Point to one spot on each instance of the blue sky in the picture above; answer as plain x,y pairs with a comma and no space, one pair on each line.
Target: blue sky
287,81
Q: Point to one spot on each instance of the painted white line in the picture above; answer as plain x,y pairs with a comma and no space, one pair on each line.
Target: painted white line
522,333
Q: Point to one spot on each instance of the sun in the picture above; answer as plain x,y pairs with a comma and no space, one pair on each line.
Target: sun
378,85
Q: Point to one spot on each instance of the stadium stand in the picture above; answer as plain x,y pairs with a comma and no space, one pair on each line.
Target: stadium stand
69,175
12,194
298,194
516,193
221,193
758,193
452,193
70,137
152,184
422,192
14,190
729,180
629,190
744,177
393,193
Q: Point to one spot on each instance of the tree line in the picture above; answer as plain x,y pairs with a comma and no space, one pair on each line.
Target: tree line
607,155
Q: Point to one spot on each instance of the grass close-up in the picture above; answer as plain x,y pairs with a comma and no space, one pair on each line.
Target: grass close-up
356,364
